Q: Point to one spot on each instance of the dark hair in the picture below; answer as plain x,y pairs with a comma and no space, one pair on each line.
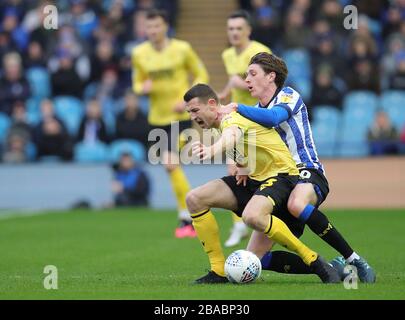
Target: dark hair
201,91
154,13
271,63
241,14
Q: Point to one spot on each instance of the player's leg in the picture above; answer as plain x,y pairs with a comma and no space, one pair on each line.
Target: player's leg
199,201
277,261
303,202
257,214
180,187
239,229
238,232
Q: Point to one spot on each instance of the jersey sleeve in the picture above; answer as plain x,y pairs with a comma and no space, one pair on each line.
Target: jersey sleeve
196,66
290,100
138,74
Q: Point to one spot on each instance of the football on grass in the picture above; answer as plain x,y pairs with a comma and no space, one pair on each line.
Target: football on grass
242,266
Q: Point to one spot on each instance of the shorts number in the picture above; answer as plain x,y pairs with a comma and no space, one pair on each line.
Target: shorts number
305,174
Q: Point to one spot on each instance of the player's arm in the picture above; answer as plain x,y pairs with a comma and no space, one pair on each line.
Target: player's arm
196,67
227,141
141,83
265,117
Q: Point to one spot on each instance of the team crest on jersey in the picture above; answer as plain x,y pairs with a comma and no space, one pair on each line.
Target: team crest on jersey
286,98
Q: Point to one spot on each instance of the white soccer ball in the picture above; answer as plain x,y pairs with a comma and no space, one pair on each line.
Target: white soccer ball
242,266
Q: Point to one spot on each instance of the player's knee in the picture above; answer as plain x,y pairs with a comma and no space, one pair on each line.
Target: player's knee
170,166
295,206
193,201
250,218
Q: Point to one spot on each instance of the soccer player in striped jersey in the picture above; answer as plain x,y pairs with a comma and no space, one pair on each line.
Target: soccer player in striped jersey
282,108
236,59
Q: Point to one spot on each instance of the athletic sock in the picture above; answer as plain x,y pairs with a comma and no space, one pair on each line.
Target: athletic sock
321,226
284,262
207,231
180,187
278,231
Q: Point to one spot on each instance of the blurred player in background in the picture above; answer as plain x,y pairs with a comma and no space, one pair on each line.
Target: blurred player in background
236,60
161,70
282,108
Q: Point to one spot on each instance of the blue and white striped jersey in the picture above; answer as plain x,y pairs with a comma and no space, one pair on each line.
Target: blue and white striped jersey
296,130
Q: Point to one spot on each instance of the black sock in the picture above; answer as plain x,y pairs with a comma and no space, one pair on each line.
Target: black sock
321,226
284,262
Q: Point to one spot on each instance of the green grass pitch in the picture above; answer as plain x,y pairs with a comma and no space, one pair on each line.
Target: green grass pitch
132,254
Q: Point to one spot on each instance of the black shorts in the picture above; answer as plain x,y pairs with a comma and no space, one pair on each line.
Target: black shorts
319,181
173,145
277,188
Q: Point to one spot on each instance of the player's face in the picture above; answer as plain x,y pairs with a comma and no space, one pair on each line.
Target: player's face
257,80
238,31
156,29
204,114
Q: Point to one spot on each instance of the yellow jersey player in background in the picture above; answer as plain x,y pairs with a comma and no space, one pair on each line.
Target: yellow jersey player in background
161,69
236,60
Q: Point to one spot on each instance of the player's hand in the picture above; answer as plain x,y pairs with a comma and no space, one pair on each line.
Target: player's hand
241,179
232,169
147,86
227,109
201,151
179,107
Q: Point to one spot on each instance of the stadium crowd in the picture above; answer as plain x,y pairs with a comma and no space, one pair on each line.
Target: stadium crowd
64,92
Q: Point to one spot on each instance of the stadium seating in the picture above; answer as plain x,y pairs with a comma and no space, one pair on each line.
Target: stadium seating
5,123
91,152
361,99
325,125
39,81
125,145
393,102
33,111
70,110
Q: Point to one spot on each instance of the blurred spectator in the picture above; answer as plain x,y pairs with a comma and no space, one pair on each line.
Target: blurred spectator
394,45
10,24
35,56
19,125
92,127
364,76
382,136
13,84
15,150
131,185
103,58
397,80
18,136
66,81
265,23
324,92
296,33
131,122
51,136
332,11
6,44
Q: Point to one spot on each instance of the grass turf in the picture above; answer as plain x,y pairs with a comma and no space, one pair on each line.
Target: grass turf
132,254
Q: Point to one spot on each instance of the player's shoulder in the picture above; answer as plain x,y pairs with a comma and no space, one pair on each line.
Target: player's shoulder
180,44
259,47
228,52
141,48
289,92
